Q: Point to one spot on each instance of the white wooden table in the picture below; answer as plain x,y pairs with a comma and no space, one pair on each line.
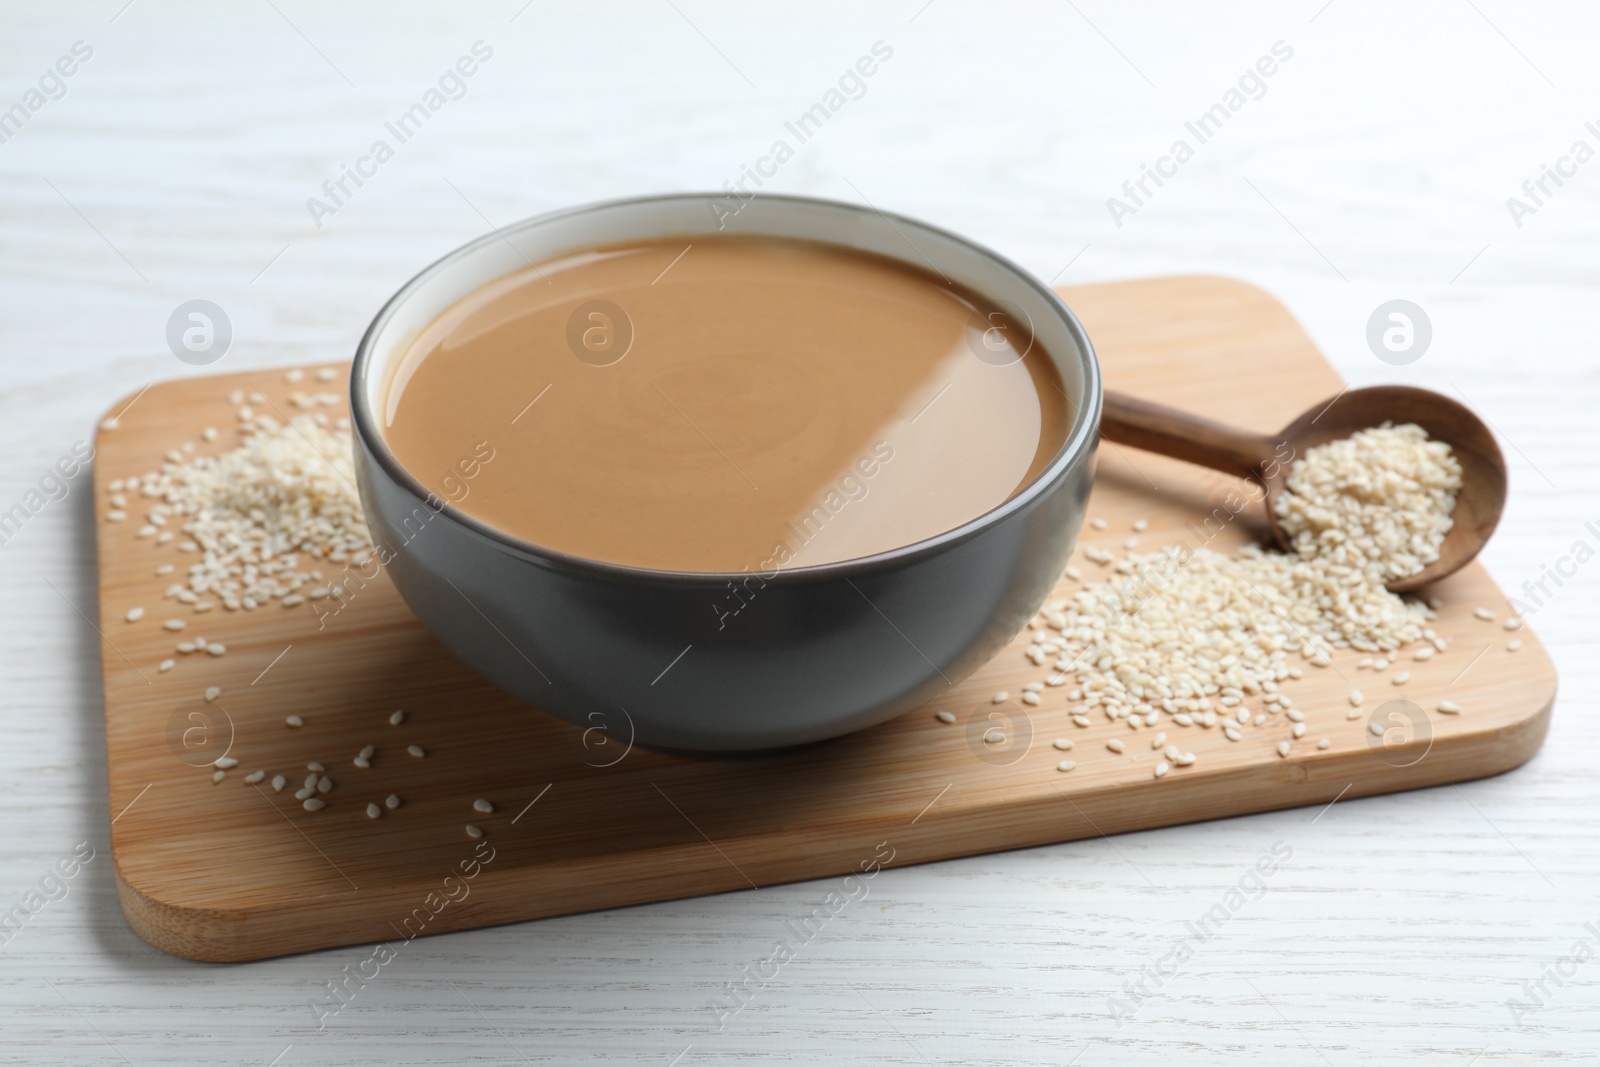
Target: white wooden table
1376,165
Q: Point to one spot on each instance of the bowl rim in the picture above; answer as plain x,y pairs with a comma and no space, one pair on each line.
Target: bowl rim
1078,446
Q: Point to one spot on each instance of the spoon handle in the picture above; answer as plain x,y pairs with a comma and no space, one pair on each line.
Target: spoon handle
1127,420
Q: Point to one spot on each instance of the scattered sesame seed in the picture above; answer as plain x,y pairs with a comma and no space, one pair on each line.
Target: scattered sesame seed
391,802
396,718
1159,740
216,648
994,737
1353,713
1140,525
1114,745
324,784
166,568
227,763
1376,728
1283,748
1298,729
473,831
415,750
1401,679
295,375
1514,645
174,624
116,515
278,782
1098,524
1449,707
482,807
362,762
294,720
1425,652
212,693
1514,622
1065,765
1295,715
1184,759
218,776
1080,720
945,716
1324,743
366,753
315,767
373,811
1000,697
1483,613
255,776
1074,573
1031,699
166,665
134,614
313,804
1161,768
1063,744
326,374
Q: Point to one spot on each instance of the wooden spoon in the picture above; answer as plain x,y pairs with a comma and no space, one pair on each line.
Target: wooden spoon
1266,458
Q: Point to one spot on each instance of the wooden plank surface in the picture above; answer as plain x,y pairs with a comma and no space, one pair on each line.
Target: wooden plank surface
230,871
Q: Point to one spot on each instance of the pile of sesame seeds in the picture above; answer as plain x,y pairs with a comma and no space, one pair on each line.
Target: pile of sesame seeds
259,518
1193,638
252,514
1204,639
1378,501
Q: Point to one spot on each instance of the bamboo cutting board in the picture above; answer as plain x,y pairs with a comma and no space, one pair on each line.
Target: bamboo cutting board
584,821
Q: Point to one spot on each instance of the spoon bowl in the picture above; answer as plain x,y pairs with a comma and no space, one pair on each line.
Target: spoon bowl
1266,458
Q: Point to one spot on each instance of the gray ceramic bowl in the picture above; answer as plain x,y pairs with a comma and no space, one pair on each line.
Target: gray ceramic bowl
822,650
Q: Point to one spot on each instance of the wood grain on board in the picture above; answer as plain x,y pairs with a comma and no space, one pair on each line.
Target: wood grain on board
582,822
